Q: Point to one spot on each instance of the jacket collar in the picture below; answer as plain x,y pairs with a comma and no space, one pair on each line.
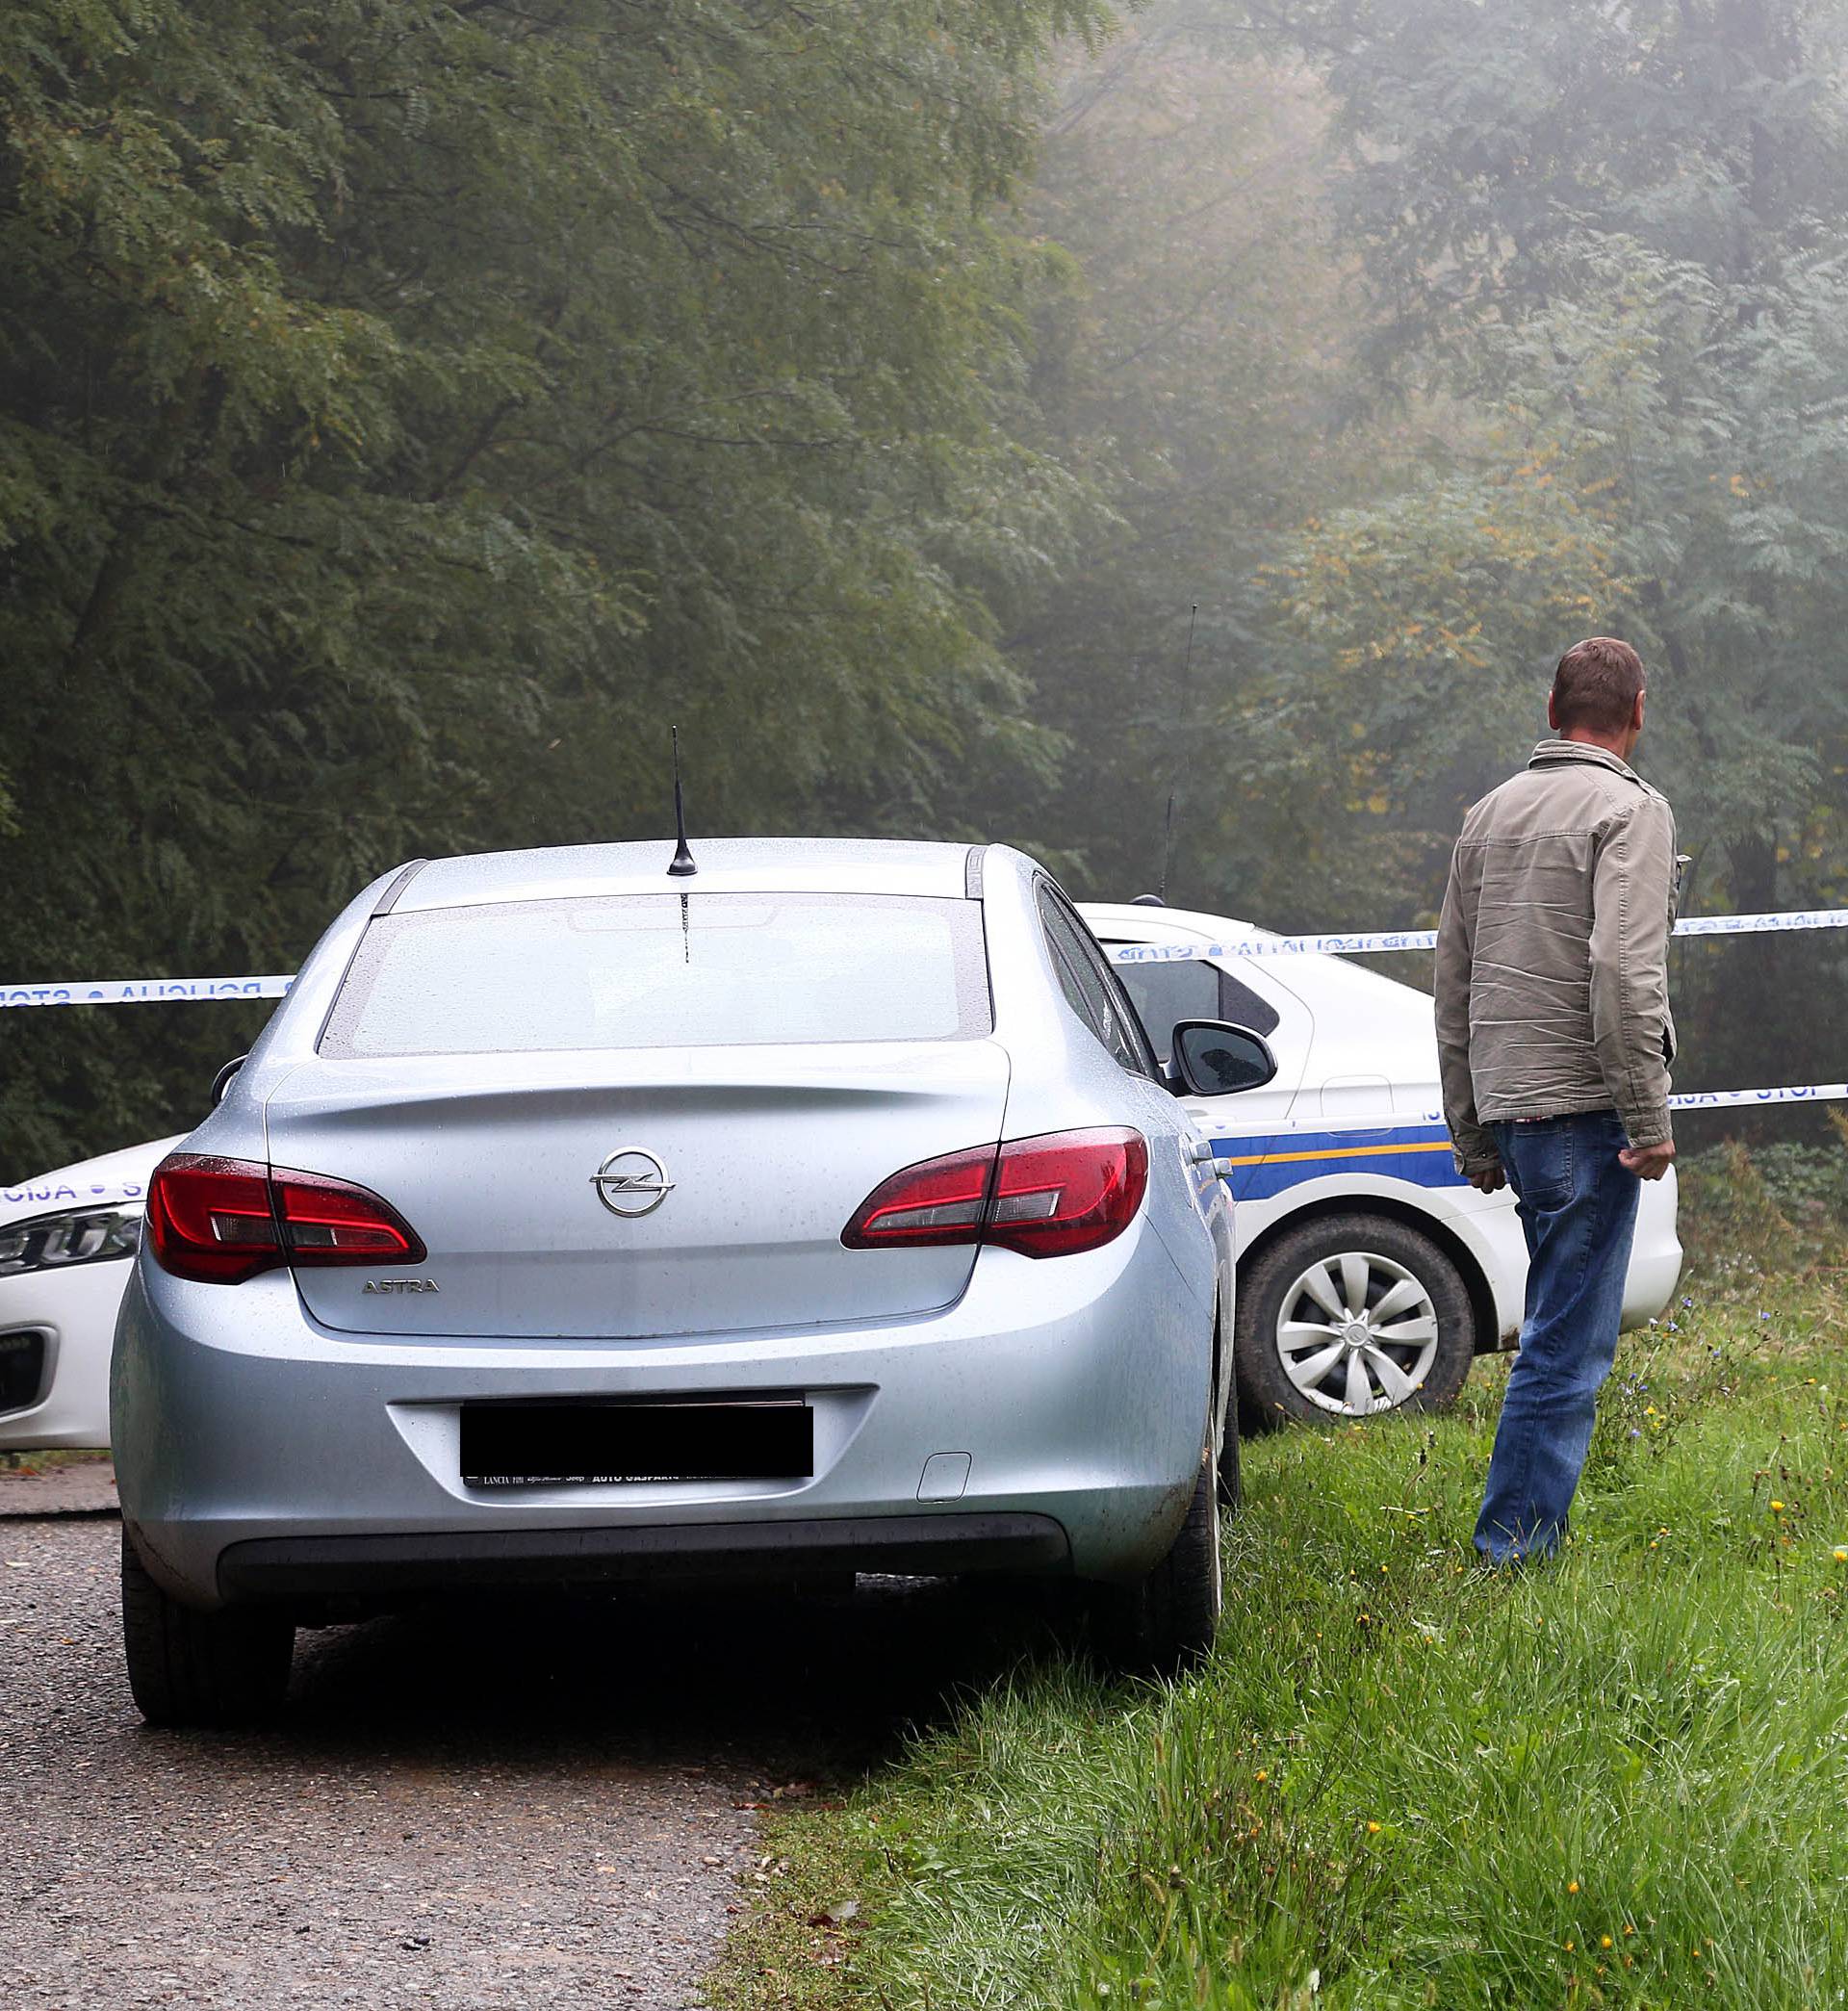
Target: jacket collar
1580,751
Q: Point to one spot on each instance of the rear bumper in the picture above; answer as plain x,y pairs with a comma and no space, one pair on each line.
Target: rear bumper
311,1568
1050,1420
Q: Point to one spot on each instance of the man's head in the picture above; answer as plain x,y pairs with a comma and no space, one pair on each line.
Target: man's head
1598,695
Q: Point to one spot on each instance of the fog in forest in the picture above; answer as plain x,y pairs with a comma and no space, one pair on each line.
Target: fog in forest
990,420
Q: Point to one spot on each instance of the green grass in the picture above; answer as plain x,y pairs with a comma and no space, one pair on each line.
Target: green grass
1402,1782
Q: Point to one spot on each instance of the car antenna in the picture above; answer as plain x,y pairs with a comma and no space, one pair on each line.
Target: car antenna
1168,826
682,866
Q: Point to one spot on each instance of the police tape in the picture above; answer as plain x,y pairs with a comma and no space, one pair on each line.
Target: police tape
79,991
143,991
1358,944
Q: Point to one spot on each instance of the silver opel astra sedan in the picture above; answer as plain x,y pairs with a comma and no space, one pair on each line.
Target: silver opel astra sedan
822,1208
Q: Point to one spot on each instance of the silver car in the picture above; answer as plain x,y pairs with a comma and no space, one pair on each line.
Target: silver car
822,1209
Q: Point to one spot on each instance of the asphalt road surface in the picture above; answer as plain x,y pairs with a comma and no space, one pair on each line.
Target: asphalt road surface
539,1802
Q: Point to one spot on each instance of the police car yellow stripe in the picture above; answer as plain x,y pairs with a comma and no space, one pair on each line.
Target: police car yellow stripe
1439,1145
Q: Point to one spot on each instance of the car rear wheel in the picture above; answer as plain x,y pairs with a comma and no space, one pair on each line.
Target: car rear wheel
187,1668
1164,1624
1351,1316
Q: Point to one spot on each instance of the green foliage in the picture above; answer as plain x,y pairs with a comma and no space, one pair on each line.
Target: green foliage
1402,1782
1194,374
406,408
1609,253
1776,1206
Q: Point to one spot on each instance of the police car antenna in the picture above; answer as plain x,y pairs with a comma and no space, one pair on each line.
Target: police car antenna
682,866
1187,691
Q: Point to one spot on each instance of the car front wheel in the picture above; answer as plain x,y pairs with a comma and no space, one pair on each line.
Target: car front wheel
187,1668
1348,1317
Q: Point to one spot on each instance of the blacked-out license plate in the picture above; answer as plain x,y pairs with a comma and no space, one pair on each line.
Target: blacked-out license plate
540,1444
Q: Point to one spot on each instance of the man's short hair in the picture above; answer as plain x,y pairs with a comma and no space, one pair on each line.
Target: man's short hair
1596,683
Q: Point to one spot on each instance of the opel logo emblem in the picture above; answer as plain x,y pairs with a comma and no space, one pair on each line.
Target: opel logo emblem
632,1182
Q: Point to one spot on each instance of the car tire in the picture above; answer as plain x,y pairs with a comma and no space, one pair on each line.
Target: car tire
1415,1358
1228,1479
1164,1624
187,1668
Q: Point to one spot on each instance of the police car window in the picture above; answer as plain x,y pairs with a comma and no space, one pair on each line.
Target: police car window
1100,1004
1166,994
1243,1006
1163,993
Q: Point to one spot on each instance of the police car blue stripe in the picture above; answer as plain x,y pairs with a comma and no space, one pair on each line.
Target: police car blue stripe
1258,1167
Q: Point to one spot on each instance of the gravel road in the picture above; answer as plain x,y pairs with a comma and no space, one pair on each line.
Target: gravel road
542,1802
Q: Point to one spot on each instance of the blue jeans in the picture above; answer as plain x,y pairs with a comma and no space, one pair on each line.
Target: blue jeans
1579,1212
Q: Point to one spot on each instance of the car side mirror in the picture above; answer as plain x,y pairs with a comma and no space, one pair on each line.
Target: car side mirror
221,1081
1215,1059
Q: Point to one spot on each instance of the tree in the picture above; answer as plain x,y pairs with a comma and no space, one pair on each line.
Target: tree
405,410
1197,371
1617,240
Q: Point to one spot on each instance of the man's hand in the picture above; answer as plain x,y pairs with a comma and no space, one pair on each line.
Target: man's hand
1648,1162
1489,1179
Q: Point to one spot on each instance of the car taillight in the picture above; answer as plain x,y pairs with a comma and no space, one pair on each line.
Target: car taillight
1046,1197
937,1201
1066,1192
221,1221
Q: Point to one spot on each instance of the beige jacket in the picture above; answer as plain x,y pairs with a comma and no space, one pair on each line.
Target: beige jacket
1552,952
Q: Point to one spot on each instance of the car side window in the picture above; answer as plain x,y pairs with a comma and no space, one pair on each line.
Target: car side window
1067,977
1242,1007
1090,986
1166,994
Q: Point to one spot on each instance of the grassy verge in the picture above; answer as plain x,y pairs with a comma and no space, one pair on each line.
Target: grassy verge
1619,1781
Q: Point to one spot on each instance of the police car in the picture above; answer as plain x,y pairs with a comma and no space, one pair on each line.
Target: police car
65,1240
1371,1273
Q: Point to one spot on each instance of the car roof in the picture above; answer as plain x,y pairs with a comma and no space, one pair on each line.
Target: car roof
1316,978
1136,915
726,866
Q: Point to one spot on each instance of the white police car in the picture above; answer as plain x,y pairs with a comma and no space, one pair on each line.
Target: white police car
1371,1273
65,1240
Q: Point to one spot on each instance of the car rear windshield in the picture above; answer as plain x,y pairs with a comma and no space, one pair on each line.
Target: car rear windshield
664,970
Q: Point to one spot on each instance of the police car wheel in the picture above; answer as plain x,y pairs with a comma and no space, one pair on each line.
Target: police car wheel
1348,1317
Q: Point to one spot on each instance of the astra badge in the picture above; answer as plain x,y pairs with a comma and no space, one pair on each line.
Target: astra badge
632,1182
400,1284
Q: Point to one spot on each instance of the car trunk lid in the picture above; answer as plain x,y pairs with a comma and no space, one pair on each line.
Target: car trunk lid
727,1176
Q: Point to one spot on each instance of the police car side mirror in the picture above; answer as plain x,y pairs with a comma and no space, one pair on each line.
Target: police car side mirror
1215,1059
221,1081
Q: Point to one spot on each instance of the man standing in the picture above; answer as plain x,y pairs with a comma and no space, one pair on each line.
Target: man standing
1554,1039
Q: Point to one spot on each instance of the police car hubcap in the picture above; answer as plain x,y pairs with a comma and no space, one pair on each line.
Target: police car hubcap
1356,1333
